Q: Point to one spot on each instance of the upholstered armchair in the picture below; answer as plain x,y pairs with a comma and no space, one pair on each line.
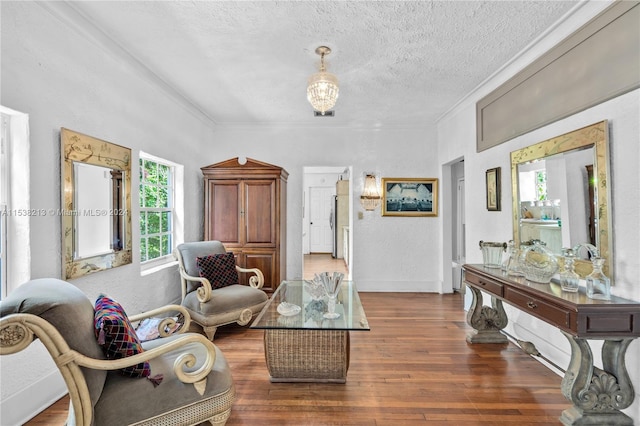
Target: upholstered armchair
195,379
211,292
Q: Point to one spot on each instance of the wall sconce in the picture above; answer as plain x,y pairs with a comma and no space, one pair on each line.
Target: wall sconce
370,198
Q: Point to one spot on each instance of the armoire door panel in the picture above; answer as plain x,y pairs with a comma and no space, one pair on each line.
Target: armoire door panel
259,212
266,262
224,197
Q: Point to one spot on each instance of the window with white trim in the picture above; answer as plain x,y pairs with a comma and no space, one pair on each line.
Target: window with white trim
157,209
14,195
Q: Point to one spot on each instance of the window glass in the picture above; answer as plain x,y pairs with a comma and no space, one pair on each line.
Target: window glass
156,209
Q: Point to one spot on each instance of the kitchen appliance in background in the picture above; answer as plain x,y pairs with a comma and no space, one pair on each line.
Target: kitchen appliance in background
334,227
340,217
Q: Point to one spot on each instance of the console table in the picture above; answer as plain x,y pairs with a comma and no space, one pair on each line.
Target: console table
597,394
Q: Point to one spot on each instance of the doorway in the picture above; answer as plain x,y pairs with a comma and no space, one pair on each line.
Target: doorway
326,219
453,225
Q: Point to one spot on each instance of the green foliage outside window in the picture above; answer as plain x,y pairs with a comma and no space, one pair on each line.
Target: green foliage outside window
541,185
156,209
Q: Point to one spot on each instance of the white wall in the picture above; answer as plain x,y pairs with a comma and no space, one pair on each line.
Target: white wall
65,79
456,137
389,253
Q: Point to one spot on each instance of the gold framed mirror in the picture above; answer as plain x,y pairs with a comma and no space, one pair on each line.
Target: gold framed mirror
96,204
561,193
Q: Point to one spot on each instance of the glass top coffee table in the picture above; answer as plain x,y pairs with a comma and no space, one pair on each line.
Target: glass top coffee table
300,344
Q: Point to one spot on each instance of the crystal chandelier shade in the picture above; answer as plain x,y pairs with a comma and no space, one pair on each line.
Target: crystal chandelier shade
322,89
370,198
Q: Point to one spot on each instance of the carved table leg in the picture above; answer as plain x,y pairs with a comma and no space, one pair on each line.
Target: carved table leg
486,321
597,395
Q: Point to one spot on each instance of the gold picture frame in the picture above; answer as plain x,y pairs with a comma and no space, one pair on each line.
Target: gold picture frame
412,197
492,180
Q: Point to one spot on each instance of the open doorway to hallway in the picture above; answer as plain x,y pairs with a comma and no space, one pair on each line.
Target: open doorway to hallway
453,225
322,262
327,195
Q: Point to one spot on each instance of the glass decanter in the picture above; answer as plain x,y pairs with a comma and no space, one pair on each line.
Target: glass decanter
598,284
513,260
569,280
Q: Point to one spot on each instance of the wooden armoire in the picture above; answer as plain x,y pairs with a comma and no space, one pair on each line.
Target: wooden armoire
245,208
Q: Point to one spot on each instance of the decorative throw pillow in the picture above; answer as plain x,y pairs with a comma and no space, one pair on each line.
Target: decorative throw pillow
118,338
219,269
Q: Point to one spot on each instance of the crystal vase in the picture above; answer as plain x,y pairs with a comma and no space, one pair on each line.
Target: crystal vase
569,280
598,284
331,284
492,253
513,260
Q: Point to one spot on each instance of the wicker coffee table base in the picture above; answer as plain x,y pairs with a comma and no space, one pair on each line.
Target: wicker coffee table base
307,355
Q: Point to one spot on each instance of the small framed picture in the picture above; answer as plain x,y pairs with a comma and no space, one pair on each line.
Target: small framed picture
409,197
493,189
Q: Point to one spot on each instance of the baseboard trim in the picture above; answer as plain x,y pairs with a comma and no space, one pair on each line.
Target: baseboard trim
400,286
22,406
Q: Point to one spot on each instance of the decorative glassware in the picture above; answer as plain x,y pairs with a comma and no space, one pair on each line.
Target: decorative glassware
492,253
538,263
569,280
598,284
331,284
513,260
314,289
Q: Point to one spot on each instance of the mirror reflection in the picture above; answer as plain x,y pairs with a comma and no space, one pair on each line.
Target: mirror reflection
550,188
560,194
96,219
98,224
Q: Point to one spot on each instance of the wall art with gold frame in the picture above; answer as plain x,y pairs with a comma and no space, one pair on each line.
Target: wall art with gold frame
412,197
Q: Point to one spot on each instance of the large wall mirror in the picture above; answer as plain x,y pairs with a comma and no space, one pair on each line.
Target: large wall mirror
561,194
96,200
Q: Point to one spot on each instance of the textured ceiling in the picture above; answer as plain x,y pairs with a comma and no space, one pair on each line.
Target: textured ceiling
399,63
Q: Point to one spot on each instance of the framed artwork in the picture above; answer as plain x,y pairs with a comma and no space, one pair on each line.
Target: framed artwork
493,189
409,197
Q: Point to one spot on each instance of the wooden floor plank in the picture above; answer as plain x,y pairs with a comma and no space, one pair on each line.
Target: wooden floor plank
413,368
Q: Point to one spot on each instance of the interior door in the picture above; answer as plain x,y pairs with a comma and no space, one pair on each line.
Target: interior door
321,202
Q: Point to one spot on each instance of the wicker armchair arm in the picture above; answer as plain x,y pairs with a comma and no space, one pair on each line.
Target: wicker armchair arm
255,281
166,323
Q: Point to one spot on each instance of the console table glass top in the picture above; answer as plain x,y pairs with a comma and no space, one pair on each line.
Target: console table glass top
313,305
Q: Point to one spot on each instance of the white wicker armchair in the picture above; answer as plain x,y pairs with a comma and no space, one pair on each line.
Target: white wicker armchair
211,308
197,384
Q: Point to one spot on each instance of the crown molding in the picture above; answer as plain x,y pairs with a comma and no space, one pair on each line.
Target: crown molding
72,17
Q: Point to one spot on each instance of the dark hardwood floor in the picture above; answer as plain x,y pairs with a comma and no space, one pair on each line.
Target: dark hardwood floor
413,368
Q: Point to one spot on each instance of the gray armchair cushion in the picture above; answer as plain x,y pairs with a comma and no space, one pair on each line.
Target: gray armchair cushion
191,251
226,299
70,311
143,400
